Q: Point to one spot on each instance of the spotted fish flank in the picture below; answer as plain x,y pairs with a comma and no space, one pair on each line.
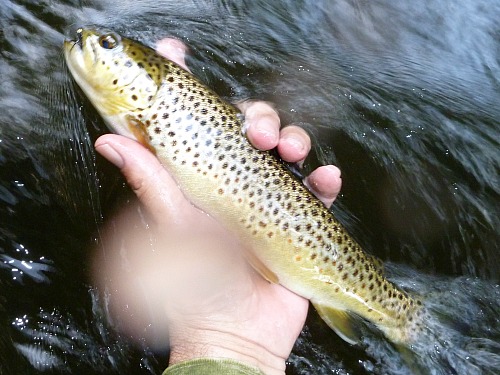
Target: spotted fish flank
295,239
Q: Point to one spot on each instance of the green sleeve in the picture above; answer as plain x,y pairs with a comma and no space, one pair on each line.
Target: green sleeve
210,366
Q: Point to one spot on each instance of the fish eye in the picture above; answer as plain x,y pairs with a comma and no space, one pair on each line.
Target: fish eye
108,41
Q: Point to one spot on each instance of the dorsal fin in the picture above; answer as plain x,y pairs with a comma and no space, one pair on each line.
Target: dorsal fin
377,263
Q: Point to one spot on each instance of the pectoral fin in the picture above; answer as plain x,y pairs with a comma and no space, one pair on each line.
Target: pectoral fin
139,130
339,321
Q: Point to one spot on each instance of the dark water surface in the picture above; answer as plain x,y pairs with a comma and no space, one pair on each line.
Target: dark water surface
403,96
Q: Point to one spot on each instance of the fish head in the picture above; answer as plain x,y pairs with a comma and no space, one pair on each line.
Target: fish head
120,77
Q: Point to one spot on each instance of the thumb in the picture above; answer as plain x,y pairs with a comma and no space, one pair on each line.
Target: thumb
149,180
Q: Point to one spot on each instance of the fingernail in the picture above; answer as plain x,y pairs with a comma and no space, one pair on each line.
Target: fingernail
111,154
265,129
295,142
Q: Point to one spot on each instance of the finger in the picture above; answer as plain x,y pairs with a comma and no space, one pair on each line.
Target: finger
262,124
325,182
152,184
173,50
294,144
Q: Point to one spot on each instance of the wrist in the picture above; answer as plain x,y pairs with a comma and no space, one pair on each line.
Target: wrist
188,344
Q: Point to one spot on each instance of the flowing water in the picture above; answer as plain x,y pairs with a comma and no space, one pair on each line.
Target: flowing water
403,96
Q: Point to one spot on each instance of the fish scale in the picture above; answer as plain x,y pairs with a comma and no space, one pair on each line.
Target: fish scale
294,239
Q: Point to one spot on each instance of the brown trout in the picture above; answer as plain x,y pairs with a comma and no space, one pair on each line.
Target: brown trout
198,137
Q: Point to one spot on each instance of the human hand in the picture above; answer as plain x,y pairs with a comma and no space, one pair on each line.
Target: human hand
215,304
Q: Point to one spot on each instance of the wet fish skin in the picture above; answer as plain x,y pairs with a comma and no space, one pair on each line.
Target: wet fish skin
295,239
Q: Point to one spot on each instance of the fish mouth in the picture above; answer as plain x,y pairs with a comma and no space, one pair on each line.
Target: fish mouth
79,38
76,57
78,41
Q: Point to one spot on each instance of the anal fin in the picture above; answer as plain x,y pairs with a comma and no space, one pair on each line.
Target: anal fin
261,268
338,320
